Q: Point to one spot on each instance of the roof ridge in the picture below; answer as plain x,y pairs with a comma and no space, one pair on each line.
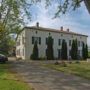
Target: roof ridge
54,30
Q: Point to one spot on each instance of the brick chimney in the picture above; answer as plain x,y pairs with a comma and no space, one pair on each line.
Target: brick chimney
37,24
61,28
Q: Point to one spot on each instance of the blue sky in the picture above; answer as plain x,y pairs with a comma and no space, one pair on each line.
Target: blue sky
76,21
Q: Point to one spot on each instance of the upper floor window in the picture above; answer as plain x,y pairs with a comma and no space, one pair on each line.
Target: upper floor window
22,40
18,43
36,39
36,32
32,40
61,34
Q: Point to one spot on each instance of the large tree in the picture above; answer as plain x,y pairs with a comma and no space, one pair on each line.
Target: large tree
49,50
64,50
12,14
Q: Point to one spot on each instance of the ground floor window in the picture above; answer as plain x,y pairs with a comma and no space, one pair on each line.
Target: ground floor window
59,53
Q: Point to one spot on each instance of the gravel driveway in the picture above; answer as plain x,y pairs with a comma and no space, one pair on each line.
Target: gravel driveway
42,78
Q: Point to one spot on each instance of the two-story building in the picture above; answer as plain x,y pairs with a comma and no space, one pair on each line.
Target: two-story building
25,41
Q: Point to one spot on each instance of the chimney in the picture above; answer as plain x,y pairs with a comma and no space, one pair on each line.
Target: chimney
37,24
62,28
68,30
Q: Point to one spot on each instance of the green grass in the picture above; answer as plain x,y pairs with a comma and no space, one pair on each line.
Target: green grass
9,81
82,69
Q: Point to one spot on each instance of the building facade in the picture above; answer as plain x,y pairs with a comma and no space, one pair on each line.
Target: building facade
26,40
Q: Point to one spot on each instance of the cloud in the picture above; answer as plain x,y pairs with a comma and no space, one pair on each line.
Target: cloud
77,21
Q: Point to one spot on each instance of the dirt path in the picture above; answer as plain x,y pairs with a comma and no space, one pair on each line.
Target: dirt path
42,78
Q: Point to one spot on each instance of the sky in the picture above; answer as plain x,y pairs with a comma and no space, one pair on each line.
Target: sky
77,21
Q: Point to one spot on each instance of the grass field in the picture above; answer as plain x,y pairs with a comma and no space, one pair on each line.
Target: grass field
81,69
9,81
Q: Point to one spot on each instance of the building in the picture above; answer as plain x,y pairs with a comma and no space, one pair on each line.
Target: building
29,35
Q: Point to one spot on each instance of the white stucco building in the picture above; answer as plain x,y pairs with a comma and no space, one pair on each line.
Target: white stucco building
25,41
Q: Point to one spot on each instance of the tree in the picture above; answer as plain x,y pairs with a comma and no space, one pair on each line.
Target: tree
74,50
86,50
12,14
35,54
66,5
87,3
49,50
83,50
64,50
6,44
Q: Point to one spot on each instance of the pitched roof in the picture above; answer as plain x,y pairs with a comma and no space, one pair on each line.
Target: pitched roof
54,30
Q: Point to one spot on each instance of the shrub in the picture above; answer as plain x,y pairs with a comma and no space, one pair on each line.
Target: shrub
34,55
56,63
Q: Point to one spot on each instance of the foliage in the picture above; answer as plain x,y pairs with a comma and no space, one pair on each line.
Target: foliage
62,63
84,51
64,50
6,44
35,55
49,51
67,5
74,50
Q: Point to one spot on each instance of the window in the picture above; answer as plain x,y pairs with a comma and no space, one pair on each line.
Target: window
59,41
59,53
46,52
18,43
78,52
49,33
32,40
61,34
79,43
46,40
82,43
22,40
36,39
53,40
23,51
69,42
69,52
36,32
39,40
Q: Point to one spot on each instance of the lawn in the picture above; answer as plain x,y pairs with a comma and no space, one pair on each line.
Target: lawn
81,69
9,81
